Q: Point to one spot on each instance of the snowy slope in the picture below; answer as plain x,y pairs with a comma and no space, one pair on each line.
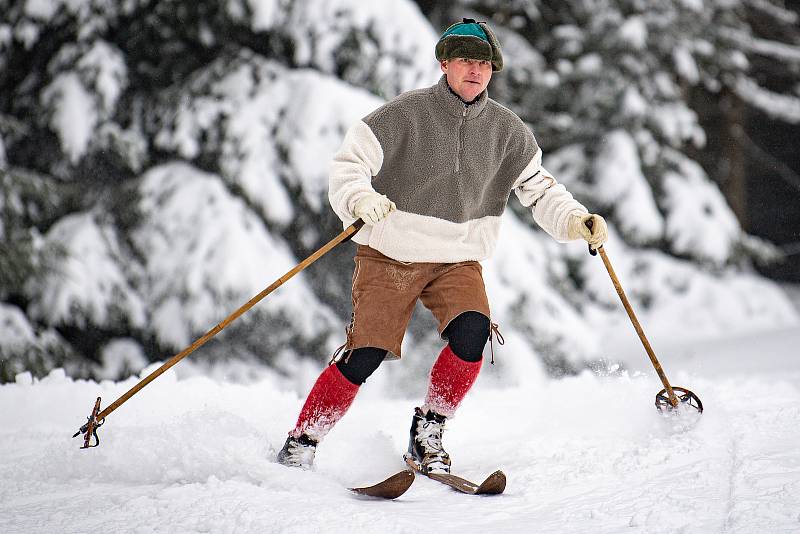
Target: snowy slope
583,454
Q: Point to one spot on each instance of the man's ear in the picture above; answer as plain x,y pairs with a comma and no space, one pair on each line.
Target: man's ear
443,65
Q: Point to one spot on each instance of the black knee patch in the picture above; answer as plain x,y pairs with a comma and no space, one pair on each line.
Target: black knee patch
360,363
467,335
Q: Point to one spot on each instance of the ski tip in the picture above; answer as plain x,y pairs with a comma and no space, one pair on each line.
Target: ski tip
391,488
494,484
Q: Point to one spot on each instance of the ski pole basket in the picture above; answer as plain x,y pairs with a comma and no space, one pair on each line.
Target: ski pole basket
684,396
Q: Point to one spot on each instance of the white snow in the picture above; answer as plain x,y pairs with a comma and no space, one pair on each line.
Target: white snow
105,64
589,64
765,47
633,103
6,35
685,65
530,306
787,108
694,5
42,9
46,9
73,113
264,13
779,12
311,127
694,202
671,295
621,184
88,286
3,160
83,94
583,454
677,122
529,63
272,123
120,357
391,39
17,331
193,230
634,32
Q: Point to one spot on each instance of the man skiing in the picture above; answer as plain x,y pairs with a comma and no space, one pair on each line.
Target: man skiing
430,173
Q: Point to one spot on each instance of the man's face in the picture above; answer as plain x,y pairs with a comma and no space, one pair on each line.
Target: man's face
467,77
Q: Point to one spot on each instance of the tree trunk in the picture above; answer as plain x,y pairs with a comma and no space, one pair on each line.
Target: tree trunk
732,174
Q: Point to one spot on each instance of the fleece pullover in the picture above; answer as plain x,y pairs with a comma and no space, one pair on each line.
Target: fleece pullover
450,168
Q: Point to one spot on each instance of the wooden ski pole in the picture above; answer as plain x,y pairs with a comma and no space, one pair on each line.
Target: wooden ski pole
97,419
673,399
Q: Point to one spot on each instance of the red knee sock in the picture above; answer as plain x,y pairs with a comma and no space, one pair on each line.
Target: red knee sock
451,379
328,401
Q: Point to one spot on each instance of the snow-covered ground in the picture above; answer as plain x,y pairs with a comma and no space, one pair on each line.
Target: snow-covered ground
582,454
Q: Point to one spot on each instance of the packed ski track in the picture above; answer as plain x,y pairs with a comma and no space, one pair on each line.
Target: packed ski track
587,453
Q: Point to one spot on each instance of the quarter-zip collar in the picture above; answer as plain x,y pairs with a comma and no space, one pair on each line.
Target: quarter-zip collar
457,107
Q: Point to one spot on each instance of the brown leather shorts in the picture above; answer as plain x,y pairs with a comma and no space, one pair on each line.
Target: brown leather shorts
385,292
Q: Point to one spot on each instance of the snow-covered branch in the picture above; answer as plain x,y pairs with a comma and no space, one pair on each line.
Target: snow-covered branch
776,105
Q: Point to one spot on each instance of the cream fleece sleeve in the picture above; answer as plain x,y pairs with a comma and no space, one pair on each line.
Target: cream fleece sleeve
359,159
551,204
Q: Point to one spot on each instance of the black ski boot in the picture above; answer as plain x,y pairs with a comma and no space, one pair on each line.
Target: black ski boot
298,452
425,444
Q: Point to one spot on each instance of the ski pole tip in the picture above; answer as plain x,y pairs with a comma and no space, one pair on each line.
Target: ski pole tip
89,429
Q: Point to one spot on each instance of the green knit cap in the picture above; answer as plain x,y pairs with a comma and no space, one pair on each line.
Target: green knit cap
470,40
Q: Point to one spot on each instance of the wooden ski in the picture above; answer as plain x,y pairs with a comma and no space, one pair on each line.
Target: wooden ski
494,484
391,488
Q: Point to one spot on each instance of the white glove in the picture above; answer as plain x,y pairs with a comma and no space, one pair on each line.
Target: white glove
373,207
577,229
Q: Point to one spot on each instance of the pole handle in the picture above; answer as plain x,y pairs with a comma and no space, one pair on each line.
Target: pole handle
589,224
